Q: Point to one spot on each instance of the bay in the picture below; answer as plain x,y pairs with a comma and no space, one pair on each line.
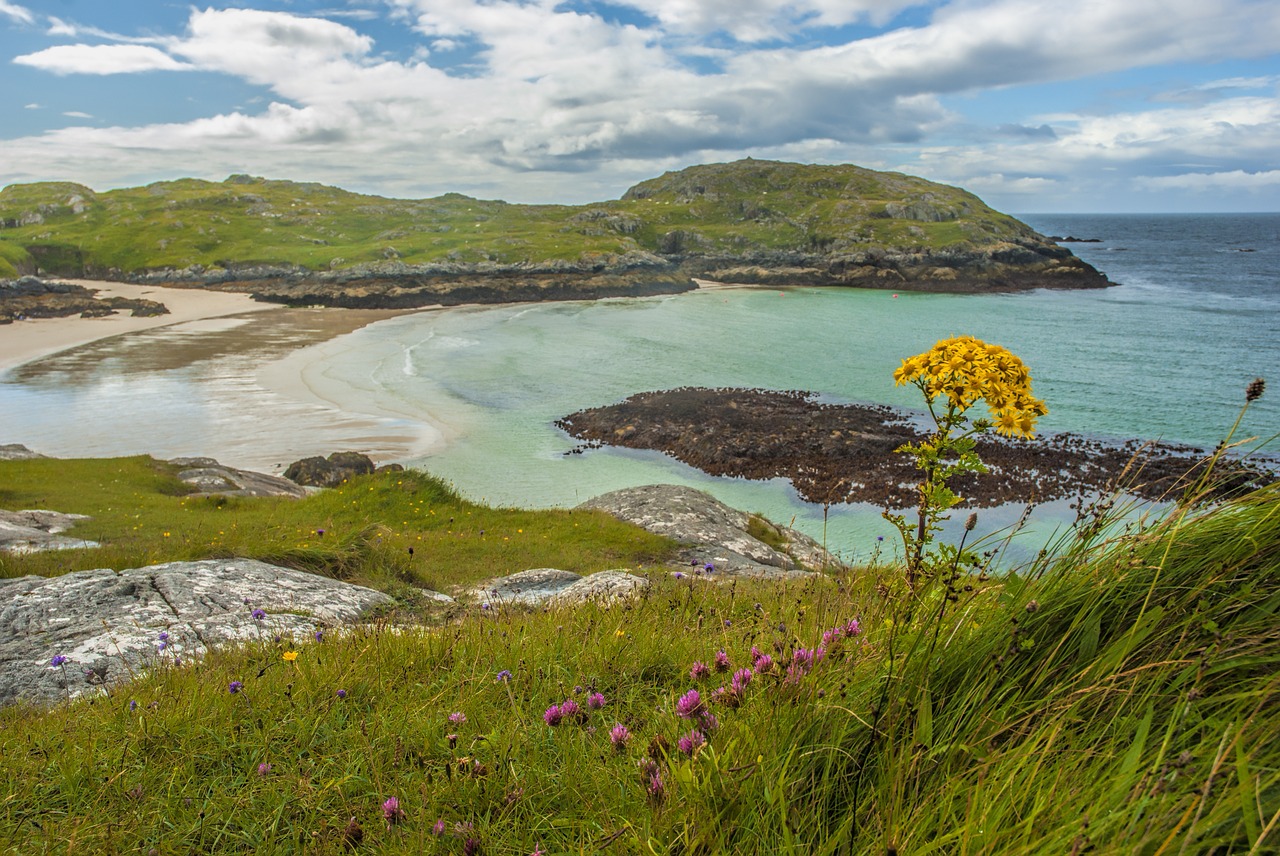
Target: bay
1165,354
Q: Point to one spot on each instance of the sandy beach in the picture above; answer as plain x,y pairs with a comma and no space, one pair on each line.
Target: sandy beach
24,341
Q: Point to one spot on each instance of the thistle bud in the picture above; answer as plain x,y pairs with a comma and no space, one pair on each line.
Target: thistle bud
1254,390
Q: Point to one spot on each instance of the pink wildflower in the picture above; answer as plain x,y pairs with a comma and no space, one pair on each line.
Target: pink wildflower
689,705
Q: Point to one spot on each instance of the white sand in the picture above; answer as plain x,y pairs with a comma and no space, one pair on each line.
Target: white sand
24,341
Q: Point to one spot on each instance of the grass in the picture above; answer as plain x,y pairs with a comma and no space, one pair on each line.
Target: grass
362,531
733,210
1120,694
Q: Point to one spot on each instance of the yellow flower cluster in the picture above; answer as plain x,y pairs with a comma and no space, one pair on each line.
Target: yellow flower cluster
967,370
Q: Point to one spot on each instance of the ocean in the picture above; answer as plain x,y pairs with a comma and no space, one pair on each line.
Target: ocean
471,393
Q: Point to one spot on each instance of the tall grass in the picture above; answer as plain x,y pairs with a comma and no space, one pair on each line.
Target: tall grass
1122,697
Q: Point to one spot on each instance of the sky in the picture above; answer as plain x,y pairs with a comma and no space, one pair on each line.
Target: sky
1035,105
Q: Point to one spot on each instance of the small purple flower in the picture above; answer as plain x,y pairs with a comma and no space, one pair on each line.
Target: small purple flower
764,663
699,670
656,788
595,701
678,575
853,628
163,637
709,721
177,661
741,678
691,742
162,645
471,847
619,735
392,812
235,687
709,567
438,827
879,537
259,614
722,661
570,709
577,690
264,768
504,675
553,715
485,606
58,660
457,718
689,705
319,635
133,705
342,693
320,533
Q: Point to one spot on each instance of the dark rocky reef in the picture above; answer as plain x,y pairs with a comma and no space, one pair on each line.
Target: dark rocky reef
29,297
837,453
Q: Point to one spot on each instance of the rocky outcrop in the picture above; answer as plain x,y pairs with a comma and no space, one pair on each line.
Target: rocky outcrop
553,587
712,533
104,626
210,478
331,471
30,297
17,452
35,530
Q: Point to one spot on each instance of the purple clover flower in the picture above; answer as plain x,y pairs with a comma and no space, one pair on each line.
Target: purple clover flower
689,705
741,678
264,768
392,812
853,628
438,827
457,718
699,670
553,715
619,735
570,709
595,701
722,661
691,742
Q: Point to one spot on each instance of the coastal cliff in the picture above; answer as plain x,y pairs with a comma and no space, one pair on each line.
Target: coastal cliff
750,221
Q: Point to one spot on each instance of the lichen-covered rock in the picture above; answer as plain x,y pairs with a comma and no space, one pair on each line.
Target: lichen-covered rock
209,478
714,533
34,530
108,624
17,452
528,588
603,587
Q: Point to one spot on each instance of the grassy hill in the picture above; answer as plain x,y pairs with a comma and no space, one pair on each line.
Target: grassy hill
1117,695
828,218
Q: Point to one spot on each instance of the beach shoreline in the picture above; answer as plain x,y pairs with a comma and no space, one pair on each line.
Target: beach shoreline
32,339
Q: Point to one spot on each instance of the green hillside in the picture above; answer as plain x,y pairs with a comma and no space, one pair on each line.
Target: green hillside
740,209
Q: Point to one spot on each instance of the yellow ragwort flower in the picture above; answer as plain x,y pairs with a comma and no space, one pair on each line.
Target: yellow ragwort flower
290,656
965,369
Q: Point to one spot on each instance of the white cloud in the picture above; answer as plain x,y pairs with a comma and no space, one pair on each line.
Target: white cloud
18,13
100,59
1236,179
550,90
76,114
32,106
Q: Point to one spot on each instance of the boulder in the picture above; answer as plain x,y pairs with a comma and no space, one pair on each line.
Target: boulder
107,624
553,587
211,478
34,530
329,472
711,532
17,452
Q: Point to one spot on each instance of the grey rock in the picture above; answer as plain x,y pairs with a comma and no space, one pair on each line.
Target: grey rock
107,623
528,588
17,452
603,587
712,532
34,530
329,472
211,478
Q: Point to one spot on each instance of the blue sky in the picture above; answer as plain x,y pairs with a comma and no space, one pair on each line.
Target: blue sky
1036,105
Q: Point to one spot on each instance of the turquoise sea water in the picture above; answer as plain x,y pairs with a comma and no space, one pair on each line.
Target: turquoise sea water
1165,354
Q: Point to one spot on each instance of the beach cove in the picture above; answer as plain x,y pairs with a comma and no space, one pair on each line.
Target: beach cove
471,393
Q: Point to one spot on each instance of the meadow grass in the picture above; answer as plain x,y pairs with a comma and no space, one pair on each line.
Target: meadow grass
1119,694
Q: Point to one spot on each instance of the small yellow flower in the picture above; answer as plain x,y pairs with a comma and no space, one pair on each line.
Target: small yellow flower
290,656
